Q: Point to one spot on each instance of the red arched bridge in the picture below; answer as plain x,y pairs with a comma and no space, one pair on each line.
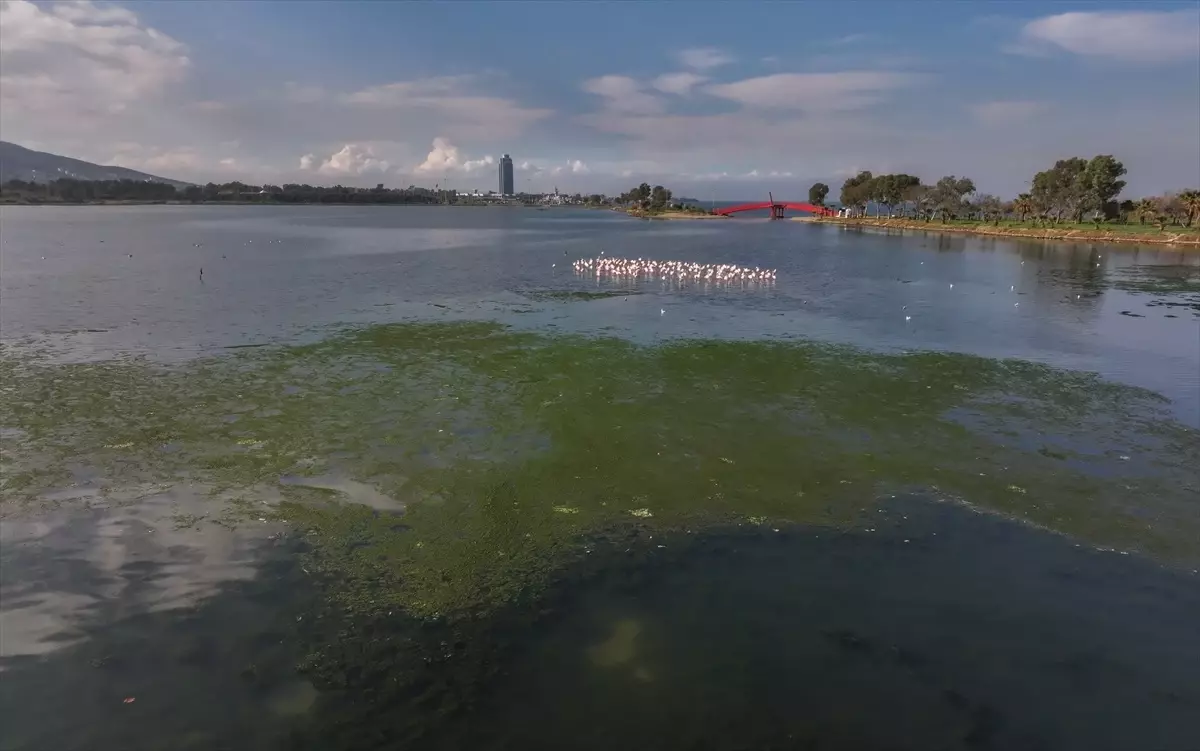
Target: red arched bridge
776,208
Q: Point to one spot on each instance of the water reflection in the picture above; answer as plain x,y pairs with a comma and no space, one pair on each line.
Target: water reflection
341,265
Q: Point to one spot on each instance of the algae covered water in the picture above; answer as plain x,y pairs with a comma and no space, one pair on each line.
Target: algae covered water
402,478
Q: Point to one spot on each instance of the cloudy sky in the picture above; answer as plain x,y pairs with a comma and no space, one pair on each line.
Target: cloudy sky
721,100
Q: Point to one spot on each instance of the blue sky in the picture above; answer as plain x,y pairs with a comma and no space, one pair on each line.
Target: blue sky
724,100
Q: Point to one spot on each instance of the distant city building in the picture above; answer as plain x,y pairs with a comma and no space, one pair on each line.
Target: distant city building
506,176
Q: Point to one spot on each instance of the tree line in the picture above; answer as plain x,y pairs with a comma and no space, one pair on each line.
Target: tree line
1073,190
69,190
652,200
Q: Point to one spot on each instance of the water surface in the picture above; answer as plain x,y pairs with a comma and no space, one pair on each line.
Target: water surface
397,477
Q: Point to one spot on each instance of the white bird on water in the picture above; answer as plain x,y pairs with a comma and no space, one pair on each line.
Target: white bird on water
908,318
662,311
673,271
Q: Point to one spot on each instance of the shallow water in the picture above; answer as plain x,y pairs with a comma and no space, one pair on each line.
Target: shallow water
276,273
311,485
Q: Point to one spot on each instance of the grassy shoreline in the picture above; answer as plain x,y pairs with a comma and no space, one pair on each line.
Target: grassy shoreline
1068,233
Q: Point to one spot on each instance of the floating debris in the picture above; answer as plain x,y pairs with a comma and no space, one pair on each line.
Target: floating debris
641,513
565,510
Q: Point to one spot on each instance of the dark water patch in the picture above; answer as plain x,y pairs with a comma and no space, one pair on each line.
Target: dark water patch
571,295
932,628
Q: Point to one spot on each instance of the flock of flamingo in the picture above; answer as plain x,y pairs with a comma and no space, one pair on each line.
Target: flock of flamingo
671,271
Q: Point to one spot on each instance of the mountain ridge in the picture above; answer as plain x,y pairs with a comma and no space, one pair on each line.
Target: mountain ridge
20,163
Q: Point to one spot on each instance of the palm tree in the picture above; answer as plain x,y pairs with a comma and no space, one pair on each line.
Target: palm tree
1147,207
1023,205
1191,203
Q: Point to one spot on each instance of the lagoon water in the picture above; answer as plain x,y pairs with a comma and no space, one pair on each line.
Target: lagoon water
879,503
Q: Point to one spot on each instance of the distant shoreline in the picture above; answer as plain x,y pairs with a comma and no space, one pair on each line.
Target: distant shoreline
669,215
1187,238
284,203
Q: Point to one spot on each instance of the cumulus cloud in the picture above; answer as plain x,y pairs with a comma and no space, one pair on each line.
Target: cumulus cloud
813,91
1128,36
307,161
578,167
704,58
1006,112
677,83
351,159
623,94
445,157
72,64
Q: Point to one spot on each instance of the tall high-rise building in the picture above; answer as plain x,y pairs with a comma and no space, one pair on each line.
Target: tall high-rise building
506,176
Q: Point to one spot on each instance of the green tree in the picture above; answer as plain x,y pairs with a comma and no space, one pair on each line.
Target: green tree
856,191
890,190
659,198
1103,183
1063,190
1191,202
989,207
949,194
817,193
920,198
1023,206
1147,208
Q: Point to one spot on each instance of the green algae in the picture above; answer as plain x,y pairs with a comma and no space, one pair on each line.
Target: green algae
506,450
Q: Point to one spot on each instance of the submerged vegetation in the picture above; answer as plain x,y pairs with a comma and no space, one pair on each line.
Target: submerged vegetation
505,452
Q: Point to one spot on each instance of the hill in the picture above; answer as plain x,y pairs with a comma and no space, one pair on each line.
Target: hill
20,163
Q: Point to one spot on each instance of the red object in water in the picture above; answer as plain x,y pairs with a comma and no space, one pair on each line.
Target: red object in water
130,700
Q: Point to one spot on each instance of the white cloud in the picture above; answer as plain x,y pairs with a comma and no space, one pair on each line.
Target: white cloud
1128,36
448,98
704,58
70,65
1006,112
445,157
623,94
307,161
813,91
578,167
677,83
352,159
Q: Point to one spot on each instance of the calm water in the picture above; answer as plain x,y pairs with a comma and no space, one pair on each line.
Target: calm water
275,273
894,621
